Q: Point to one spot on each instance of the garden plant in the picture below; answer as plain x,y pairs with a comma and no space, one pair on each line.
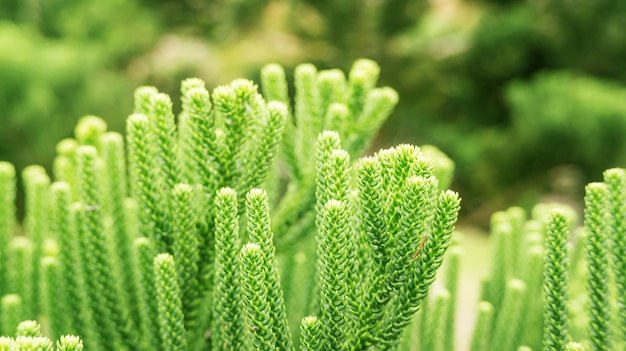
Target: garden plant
246,222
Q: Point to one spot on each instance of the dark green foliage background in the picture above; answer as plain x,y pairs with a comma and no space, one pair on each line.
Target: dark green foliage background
511,90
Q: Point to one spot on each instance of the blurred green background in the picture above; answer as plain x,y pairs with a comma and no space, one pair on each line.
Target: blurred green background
528,97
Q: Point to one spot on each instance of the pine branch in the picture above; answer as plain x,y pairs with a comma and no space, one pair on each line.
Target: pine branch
434,331
65,166
20,273
64,230
52,296
144,254
89,129
597,266
329,165
555,333
227,329
371,200
482,330
69,343
361,80
271,132
112,145
259,233
275,88
508,322
169,305
307,113
237,103
451,284
203,156
414,226
532,276
36,222
164,143
143,188
336,118
574,346
256,300
428,262
103,288
615,179
7,216
502,259
378,106
332,90
185,129
334,270
12,309
28,328
186,249
143,99
311,334
78,289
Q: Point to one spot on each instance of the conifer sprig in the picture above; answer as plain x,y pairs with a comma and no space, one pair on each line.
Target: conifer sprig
311,334
334,269
508,323
36,222
307,113
274,86
597,266
256,300
52,296
227,329
451,284
64,231
556,333
203,150
186,248
169,305
371,200
236,103
112,145
411,295
615,179
12,313
20,272
259,232
103,288
144,190
482,329
185,283
7,215
163,127
271,130
144,254
69,343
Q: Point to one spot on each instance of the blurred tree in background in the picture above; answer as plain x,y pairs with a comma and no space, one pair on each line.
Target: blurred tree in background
509,89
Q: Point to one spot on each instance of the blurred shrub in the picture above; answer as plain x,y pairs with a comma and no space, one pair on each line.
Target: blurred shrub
46,86
60,60
563,118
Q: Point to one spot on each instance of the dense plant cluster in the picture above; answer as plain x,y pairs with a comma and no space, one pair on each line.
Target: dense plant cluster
162,267
243,221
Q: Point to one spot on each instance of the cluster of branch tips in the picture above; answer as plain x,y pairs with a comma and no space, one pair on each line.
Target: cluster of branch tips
145,251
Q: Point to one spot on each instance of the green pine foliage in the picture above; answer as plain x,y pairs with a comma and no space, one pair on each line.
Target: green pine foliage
244,222
146,238
597,266
28,336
